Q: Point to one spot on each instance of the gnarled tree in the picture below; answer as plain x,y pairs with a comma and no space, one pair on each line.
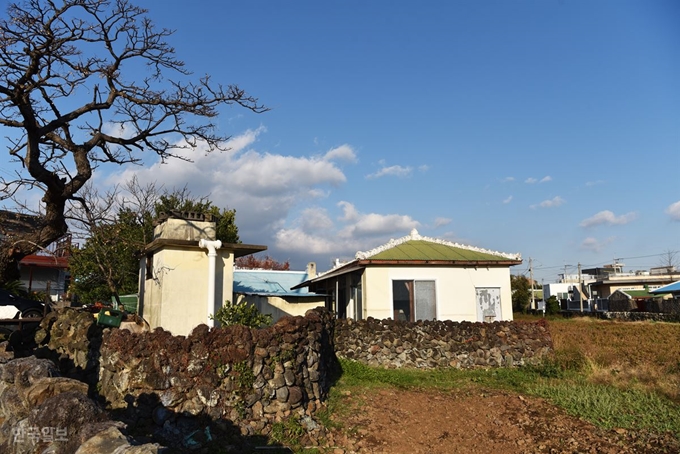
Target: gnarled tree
86,82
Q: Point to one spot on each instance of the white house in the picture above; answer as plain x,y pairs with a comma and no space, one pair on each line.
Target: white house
420,278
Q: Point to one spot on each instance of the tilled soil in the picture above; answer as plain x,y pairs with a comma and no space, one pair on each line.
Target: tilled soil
398,421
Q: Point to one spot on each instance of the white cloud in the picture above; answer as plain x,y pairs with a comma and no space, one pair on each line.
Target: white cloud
396,170
424,168
350,213
673,211
532,180
609,218
262,187
315,233
378,224
439,222
507,179
299,240
594,183
315,219
508,200
341,153
550,203
595,245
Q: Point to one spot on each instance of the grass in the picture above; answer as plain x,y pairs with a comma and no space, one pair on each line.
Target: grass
613,374
611,407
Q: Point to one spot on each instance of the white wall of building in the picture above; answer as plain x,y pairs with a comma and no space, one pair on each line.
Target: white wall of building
455,290
279,307
180,282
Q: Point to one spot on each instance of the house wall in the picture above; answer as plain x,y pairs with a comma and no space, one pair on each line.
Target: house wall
180,281
455,290
557,287
279,307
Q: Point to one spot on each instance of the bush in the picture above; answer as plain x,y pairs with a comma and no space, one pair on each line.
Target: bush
241,313
552,306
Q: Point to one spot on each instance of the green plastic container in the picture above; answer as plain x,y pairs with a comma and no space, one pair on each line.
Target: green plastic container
113,318
128,303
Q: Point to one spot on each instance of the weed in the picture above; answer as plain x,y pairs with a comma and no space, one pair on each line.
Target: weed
287,432
244,376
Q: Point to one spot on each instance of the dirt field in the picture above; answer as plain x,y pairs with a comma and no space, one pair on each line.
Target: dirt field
396,421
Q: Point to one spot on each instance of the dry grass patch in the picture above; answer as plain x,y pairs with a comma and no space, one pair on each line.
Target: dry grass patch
633,355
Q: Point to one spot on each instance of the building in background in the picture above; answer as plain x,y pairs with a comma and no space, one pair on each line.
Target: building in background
271,291
420,278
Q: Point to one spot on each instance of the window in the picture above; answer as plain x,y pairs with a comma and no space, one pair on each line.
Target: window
414,300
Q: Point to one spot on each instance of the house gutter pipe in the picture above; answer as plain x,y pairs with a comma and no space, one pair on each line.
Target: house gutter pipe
212,247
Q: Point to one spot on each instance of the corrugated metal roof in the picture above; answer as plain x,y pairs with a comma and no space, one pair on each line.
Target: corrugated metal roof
425,250
269,282
670,288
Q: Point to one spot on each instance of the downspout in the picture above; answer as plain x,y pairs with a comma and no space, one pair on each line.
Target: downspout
212,247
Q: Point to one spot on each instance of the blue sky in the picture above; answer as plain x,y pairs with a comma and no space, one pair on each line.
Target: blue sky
547,128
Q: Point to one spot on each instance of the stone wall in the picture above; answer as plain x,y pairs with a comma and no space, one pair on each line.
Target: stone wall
249,377
238,381
432,344
641,316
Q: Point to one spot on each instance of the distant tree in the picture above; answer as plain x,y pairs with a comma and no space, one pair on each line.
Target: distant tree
252,262
73,97
114,228
108,264
521,293
117,226
552,306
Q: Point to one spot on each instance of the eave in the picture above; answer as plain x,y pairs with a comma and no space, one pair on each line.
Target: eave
363,263
475,263
238,249
44,261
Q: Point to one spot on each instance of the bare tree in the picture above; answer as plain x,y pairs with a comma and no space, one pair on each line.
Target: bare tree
670,260
116,225
72,98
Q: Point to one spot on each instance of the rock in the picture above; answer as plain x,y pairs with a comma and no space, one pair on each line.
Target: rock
45,388
25,371
294,395
160,415
107,441
282,394
112,441
70,412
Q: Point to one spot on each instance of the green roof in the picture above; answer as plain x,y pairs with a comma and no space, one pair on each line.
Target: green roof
640,294
426,250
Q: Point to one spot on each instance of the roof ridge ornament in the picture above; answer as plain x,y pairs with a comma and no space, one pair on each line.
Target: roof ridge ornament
414,235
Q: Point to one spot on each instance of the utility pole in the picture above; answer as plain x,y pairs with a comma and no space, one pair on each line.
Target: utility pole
531,274
580,293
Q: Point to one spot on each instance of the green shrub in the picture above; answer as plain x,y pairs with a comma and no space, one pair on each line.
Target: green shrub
552,306
241,313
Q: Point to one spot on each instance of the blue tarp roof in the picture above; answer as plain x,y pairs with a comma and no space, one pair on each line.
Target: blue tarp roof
670,288
269,282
